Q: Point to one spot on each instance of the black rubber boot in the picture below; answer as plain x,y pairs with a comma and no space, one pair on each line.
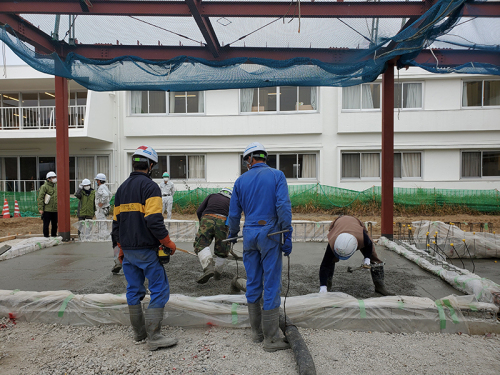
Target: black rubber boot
255,316
377,271
208,273
270,328
117,267
156,340
137,322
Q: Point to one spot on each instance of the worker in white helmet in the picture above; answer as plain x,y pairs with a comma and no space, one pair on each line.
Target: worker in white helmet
102,197
47,204
262,194
167,188
346,235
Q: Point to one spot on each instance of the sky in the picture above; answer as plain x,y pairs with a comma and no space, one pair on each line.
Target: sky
10,57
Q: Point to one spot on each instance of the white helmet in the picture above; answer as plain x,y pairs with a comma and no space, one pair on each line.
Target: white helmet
146,152
255,149
100,177
226,192
50,175
85,182
345,245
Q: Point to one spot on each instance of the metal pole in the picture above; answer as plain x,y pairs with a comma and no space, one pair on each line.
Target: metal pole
388,150
62,159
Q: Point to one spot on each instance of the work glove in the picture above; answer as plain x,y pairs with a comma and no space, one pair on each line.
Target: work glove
232,235
80,186
287,243
366,262
322,289
167,242
120,254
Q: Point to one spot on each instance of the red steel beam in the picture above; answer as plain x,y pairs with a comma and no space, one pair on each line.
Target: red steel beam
62,158
334,56
28,33
205,27
387,151
331,9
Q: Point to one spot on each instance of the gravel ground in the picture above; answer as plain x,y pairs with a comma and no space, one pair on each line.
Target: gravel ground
33,348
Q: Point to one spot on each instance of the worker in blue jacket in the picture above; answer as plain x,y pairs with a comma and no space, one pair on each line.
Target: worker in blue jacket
139,230
262,194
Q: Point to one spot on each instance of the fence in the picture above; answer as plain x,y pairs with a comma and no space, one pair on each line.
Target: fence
42,117
316,196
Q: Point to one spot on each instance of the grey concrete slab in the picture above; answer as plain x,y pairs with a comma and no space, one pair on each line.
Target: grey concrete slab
86,268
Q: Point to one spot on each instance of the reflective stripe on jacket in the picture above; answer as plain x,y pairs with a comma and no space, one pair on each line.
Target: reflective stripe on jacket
137,217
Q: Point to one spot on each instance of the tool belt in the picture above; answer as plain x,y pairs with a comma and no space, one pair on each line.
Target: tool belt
222,217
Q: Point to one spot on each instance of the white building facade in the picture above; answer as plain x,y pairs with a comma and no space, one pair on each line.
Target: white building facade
447,132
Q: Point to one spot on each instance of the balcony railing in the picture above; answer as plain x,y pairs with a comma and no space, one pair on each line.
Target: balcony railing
16,118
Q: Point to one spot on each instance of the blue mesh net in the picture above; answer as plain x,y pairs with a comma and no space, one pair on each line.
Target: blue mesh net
360,47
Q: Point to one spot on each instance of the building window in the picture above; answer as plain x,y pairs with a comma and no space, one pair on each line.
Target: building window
480,164
291,99
33,169
481,93
357,165
180,167
294,166
407,95
364,96
155,102
187,102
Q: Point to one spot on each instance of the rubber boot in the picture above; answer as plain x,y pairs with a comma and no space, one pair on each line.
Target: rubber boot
377,271
207,262
117,267
270,328
255,316
137,322
219,266
156,340
329,283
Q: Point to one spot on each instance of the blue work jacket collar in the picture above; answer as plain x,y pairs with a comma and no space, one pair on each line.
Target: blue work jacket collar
259,165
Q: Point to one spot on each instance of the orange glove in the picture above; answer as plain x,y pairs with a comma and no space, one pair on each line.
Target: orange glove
120,254
167,242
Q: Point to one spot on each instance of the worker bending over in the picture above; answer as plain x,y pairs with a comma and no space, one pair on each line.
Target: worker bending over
346,235
212,215
139,229
262,194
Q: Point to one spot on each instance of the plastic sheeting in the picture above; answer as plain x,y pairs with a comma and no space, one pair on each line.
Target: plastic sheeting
29,245
482,289
185,230
476,244
320,311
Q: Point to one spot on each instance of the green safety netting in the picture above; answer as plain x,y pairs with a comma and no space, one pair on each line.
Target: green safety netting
315,196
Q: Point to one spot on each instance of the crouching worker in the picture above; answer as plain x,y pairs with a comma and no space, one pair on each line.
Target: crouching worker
346,235
212,215
139,229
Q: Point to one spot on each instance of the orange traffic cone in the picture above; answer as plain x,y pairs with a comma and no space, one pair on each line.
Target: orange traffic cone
5,212
17,213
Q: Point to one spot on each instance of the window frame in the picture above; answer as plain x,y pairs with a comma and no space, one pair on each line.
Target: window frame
481,165
402,83
167,106
278,103
168,155
297,153
482,106
360,178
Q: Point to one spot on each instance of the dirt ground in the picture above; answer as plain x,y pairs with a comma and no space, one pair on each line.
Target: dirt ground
33,225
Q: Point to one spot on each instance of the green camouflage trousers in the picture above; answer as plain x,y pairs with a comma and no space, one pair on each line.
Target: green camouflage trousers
211,227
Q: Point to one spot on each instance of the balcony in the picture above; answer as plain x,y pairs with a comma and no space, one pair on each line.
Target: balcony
33,118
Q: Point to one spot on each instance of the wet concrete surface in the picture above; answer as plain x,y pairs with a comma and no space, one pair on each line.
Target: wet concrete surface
86,268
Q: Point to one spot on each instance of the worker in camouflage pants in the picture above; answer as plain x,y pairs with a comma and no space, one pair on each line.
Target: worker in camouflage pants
212,214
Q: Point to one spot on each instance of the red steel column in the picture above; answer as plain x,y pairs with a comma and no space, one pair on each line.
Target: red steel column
62,159
388,151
